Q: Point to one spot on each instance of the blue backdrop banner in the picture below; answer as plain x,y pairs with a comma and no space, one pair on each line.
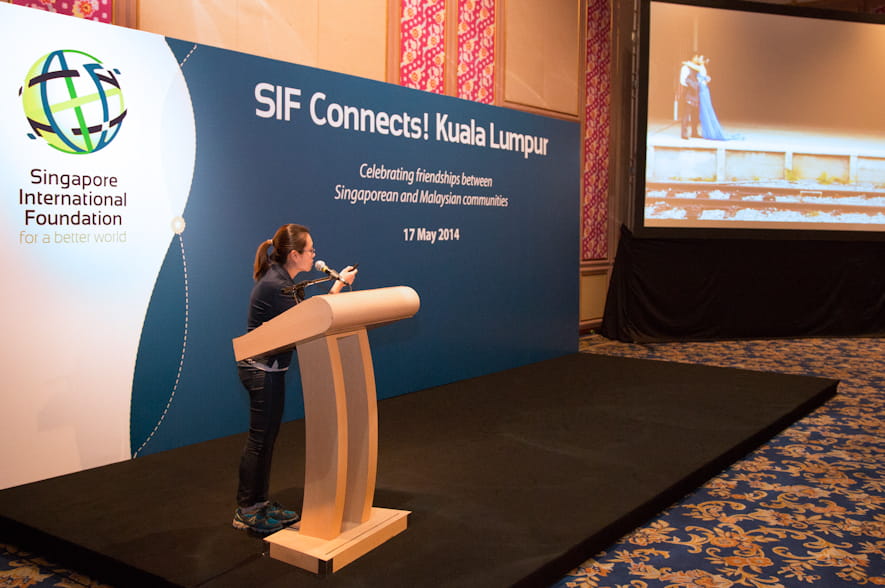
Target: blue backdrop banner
143,172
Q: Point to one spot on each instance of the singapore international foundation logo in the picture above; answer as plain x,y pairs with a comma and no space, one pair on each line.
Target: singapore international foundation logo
73,101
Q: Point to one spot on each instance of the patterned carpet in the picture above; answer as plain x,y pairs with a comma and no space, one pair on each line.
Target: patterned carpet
21,569
804,510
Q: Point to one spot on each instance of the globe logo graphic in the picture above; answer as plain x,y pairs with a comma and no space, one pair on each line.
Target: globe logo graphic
73,101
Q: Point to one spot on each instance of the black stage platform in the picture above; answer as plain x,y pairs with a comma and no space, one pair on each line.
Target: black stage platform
512,479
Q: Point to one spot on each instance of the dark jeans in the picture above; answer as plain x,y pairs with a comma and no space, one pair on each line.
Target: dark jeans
689,118
267,392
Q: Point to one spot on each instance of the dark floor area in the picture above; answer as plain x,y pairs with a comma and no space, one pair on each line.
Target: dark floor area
512,478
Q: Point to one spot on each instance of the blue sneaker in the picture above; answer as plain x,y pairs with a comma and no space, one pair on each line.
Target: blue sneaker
258,522
285,516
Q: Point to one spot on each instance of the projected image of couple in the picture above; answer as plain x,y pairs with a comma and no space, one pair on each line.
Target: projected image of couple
694,105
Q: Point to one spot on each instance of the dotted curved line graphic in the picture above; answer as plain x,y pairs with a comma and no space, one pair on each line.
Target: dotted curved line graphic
183,350
186,317
188,56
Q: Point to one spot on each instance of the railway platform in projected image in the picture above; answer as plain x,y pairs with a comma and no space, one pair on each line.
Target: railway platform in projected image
783,179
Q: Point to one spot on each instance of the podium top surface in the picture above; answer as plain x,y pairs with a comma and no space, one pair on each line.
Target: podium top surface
327,314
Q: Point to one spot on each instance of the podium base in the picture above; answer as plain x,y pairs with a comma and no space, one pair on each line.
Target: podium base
324,556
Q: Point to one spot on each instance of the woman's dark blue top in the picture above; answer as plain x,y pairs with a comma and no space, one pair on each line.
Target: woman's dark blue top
271,296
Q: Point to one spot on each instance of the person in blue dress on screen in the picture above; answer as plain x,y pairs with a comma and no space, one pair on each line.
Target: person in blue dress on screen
277,262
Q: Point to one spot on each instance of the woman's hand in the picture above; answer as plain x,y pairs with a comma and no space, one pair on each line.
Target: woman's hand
348,274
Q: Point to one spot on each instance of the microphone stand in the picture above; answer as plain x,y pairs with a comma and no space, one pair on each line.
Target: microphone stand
298,289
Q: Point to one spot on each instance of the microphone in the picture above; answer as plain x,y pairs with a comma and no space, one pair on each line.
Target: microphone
321,266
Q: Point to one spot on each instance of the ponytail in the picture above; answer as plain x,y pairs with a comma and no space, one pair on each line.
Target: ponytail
261,261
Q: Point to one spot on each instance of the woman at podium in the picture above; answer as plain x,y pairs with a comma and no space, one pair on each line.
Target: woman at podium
277,262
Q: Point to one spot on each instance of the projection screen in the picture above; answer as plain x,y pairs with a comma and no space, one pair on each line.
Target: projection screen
760,120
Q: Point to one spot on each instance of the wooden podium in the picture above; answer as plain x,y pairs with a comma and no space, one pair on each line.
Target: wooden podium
338,522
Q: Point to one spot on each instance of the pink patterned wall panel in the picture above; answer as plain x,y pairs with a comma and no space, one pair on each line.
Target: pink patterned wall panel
594,231
422,45
100,10
476,50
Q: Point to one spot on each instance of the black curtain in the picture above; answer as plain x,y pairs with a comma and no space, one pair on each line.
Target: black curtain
704,289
